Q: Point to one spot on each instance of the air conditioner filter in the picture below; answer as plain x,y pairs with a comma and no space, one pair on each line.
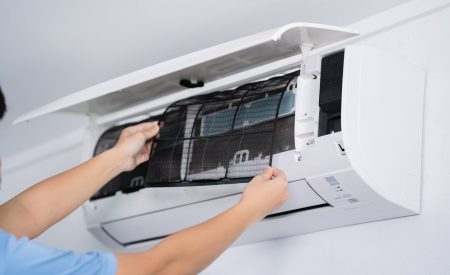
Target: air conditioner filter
224,137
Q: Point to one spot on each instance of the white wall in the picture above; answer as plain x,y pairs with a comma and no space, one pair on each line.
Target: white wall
414,245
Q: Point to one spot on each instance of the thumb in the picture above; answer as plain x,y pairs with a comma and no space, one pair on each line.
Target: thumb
153,131
278,174
267,173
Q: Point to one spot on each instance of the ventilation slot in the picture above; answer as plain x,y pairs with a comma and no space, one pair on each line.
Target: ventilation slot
331,93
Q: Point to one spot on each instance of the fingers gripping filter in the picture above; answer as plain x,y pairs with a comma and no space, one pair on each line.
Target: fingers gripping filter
224,136
126,181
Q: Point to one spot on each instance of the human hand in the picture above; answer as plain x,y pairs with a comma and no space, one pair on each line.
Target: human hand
132,145
265,193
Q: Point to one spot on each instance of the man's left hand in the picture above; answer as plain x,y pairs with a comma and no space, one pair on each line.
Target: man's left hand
133,146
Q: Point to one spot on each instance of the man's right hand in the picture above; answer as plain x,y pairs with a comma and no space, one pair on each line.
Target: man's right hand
265,193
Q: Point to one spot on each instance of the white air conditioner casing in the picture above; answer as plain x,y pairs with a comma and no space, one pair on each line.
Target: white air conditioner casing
368,171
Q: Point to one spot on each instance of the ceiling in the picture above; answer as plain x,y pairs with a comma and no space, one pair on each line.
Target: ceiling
50,49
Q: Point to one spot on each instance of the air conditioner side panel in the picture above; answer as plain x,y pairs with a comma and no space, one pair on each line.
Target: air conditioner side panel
382,121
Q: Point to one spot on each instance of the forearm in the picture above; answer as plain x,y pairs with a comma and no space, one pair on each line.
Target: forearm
195,248
39,207
49,201
191,250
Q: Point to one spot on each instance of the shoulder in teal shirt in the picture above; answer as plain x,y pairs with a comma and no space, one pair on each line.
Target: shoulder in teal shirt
22,256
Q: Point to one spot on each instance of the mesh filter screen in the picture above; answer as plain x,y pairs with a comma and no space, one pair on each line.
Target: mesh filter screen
221,136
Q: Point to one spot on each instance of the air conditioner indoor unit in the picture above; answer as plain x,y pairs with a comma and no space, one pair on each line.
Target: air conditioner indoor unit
344,121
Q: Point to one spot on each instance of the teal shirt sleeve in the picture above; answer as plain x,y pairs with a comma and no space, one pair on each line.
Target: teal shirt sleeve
22,256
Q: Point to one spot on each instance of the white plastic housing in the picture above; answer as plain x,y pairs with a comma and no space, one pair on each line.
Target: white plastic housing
374,174
377,177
